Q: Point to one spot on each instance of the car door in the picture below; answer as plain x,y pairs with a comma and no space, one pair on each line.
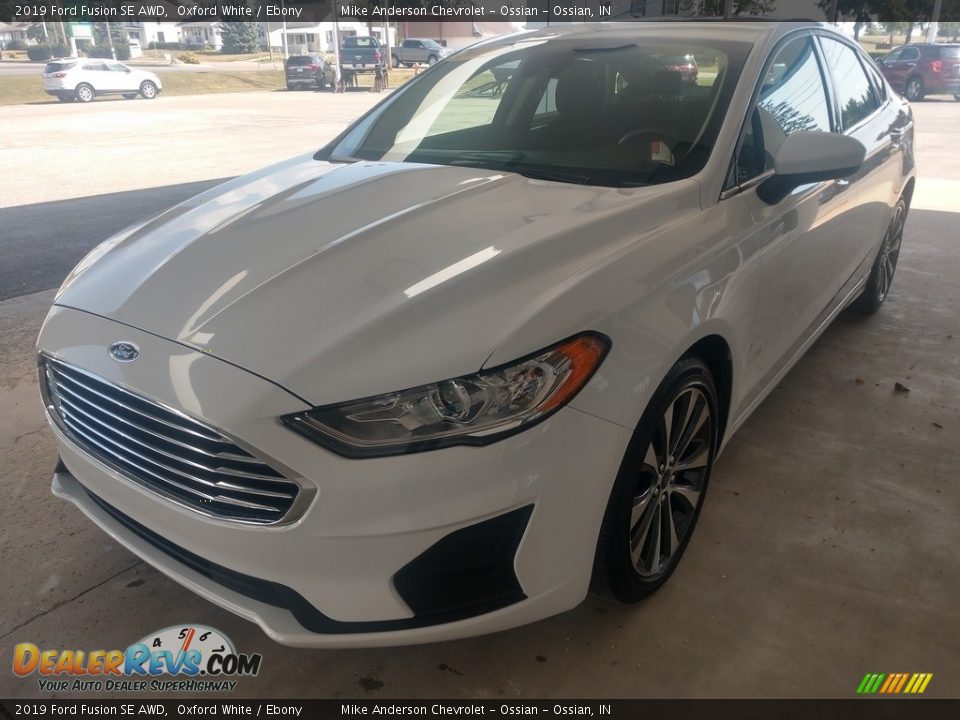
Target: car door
902,66
871,118
122,77
95,74
796,237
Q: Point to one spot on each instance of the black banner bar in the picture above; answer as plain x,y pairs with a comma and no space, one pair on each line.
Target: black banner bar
855,709
538,12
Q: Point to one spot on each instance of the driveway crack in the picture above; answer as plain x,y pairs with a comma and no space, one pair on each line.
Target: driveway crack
57,606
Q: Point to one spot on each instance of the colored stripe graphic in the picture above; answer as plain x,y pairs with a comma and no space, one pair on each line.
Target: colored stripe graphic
894,683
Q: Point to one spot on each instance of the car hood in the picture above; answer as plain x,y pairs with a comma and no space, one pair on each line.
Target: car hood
339,281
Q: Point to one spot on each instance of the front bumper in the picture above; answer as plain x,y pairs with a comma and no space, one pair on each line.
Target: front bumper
339,573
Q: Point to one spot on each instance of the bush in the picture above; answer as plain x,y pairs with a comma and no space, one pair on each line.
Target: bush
39,52
165,46
189,58
15,45
45,52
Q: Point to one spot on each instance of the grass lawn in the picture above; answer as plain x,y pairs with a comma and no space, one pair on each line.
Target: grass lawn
20,89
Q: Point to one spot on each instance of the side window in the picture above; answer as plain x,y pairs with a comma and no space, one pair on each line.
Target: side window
855,94
792,98
910,54
548,102
894,56
879,85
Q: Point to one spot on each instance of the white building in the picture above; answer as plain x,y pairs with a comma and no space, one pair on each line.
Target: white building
152,32
13,32
201,34
303,37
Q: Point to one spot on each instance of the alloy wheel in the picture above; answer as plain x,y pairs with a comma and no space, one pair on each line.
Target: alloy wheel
671,483
148,90
890,253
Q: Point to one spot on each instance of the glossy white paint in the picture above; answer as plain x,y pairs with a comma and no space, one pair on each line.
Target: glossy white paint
311,283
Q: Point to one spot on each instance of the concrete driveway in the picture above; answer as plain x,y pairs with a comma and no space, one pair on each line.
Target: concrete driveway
827,547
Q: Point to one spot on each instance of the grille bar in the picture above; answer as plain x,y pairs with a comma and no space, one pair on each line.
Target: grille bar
162,449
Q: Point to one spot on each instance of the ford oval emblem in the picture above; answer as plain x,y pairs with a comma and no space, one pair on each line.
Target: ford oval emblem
124,351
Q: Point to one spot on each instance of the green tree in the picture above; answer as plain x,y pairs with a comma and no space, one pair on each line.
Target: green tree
240,37
101,48
714,8
35,31
856,10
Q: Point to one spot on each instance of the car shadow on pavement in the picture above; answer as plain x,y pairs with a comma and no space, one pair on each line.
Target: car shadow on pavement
43,241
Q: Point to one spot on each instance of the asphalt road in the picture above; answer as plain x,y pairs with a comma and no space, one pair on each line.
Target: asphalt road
87,171
827,546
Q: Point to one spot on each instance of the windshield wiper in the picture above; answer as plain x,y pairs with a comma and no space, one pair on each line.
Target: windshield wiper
511,162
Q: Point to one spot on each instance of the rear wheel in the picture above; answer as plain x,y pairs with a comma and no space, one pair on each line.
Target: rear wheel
659,491
84,93
395,59
914,90
148,90
881,276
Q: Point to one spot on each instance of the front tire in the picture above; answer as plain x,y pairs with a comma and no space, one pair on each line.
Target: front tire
914,90
432,60
84,93
659,491
885,265
148,90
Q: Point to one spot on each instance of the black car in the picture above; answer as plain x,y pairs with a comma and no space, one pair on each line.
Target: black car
309,71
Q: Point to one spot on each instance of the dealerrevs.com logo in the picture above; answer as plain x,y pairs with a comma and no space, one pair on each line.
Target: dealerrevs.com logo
184,658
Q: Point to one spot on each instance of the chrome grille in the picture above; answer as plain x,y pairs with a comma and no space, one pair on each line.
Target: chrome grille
164,450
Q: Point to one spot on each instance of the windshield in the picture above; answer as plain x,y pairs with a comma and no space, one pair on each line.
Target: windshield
581,110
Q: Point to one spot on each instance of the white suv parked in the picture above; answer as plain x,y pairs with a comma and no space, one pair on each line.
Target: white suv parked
83,79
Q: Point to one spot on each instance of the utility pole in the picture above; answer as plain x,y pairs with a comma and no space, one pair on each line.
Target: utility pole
113,53
727,8
834,12
283,32
386,28
934,22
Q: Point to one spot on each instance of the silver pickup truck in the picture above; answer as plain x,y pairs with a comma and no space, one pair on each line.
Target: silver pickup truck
418,50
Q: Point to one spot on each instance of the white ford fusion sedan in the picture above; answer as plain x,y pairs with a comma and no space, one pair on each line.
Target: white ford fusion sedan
482,350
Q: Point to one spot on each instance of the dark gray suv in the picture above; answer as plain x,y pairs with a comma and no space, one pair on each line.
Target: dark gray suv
308,71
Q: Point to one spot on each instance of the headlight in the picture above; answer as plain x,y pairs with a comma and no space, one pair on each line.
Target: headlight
471,410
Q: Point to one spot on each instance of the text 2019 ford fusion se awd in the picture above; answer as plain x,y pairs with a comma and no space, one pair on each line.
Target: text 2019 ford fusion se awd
483,349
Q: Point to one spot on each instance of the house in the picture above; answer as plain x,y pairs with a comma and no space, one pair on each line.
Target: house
146,33
201,34
306,37
457,35
13,32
